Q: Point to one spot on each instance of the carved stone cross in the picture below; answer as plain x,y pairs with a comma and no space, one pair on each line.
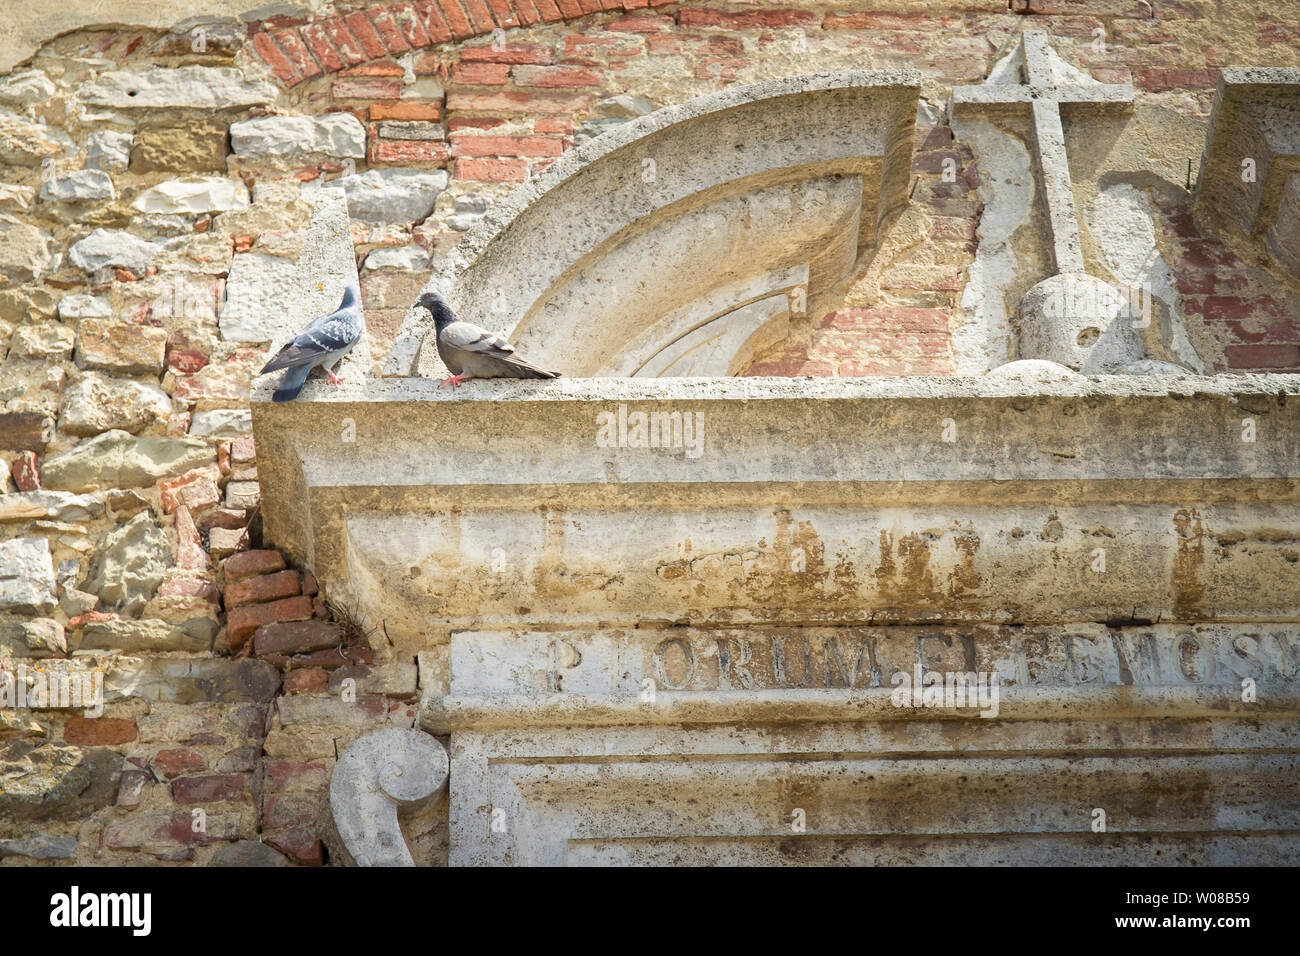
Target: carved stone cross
1071,318
1051,84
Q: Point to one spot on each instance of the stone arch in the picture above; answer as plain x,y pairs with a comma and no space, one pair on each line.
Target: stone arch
668,245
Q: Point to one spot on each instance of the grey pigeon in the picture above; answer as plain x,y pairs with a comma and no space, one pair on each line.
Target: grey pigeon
471,352
324,342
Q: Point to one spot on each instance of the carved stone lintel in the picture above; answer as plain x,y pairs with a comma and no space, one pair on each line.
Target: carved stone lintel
379,772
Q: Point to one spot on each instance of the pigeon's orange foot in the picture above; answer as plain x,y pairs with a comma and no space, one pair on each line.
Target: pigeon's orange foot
335,379
454,381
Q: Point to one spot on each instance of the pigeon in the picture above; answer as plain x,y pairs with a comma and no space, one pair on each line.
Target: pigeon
471,352
324,342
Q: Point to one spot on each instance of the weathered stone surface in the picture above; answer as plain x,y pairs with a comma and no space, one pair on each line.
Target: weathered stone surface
79,186
393,195
122,347
105,248
26,576
129,564
55,505
192,681
469,209
410,258
255,280
24,250
109,150
42,342
299,139
200,87
14,198
97,404
149,636
117,459
74,308
194,144
40,847
248,853
26,88
192,196
1079,321
1252,158
31,637
26,430
222,423
54,781
23,143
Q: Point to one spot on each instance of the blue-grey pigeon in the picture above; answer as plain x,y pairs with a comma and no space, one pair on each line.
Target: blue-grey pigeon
324,342
471,352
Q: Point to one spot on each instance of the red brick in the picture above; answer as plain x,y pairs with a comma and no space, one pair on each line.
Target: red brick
91,617
216,788
492,170
185,361
533,146
527,12
550,11
1208,254
100,731
888,319
503,13
203,588
835,345
428,112
902,365
457,21
721,68
241,622
381,19
309,680
553,125
26,472
252,562
261,588
404,151
293,47
295,637
377,68
889,21
479,16
519,53
952,228
691,18
287,776
173,763
347,46
366,88
434,24
569,9
516,101
318,41
480,74
410,25
1235,307
283,67
589,7
789,368
1158,79
555,76
1263,356
630,5
299,845
644,23
371,45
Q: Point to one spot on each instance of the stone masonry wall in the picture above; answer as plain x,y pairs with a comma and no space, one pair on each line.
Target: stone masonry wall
149,178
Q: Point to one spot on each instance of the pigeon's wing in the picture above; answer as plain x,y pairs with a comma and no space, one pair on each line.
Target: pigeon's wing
335,332
470,338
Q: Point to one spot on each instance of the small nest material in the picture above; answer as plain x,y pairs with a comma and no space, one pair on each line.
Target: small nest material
351,622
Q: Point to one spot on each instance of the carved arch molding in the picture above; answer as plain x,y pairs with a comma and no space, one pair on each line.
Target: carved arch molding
671,246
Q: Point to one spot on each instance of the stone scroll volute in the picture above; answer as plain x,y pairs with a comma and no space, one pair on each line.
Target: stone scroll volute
377,774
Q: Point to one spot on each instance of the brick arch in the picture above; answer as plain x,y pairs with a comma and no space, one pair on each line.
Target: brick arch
306,51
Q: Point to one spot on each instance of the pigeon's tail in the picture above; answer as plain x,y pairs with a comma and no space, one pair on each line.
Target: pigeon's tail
291,384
